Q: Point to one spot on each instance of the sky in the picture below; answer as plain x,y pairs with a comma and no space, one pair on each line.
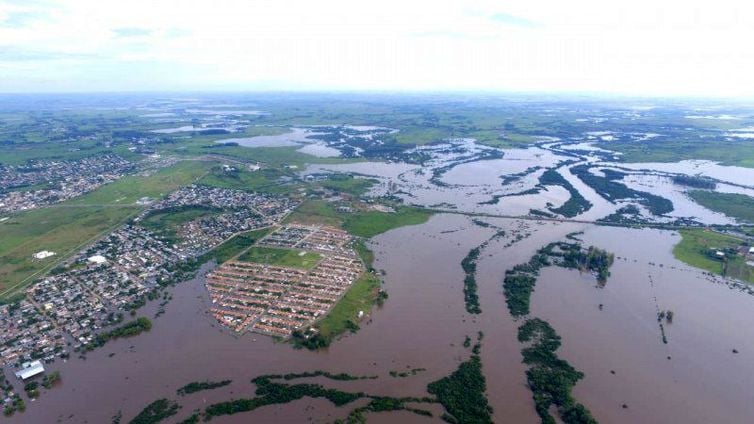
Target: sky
638,47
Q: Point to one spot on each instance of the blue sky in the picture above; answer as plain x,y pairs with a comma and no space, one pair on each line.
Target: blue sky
643,47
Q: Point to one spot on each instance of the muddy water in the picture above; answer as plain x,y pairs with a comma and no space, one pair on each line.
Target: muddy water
703,382
422,325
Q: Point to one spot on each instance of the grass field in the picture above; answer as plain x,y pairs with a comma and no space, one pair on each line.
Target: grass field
69,226
738,206
739,153
281,257
167,223
695,243
265,180
359,223
360,297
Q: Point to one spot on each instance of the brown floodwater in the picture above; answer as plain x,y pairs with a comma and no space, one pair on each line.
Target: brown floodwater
423,324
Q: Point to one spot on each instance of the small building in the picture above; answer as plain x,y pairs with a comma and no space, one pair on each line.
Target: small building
751,250
43,254
97,259
30,369
720,254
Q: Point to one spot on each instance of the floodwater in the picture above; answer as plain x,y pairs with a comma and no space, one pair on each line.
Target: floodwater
423,324
702,382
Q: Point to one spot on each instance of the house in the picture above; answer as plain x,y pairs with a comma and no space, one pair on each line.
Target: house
30,369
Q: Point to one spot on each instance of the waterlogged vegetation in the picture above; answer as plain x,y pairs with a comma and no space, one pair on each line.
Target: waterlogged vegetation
550,378
462,393
519,281
156,412
575,205
269,392
128,329
694,181
198,386
613,191
734,205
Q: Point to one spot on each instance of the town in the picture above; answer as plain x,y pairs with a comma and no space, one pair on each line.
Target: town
249,295
41,183
115,275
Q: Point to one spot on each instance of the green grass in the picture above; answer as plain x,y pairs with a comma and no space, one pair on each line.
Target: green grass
281,257
67,227
266,180
166,223
738,206
348,184
360,297
233,246
739,153
369,224
693,248
316,212
359,223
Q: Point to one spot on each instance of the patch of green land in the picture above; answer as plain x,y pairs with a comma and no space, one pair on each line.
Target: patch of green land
345,183
167,222
281,257
66,227
738,153
738,206
265,180
360,223
698,247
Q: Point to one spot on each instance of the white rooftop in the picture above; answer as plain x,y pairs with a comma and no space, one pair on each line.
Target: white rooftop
43,254
97,259
30,369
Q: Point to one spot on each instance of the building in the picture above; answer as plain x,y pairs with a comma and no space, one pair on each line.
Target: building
30,369
751,250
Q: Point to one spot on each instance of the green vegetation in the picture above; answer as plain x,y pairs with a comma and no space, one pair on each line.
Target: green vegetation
265,180
362,295
361,223
550,378
70,225
698,248
156,411
575,205
198,386
319,373
369,224
51,379
269,393
738,206
349,184
281,257
128,329
462,394
738,152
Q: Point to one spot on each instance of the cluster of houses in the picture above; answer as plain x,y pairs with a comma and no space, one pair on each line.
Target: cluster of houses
114,275
41,183
278,300
26,334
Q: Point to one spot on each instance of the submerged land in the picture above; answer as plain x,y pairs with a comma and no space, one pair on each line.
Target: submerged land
352,258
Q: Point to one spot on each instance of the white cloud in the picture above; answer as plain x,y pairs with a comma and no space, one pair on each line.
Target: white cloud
640,47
